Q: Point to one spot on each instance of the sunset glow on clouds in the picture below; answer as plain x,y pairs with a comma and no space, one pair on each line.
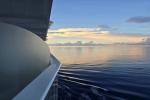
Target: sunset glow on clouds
97,33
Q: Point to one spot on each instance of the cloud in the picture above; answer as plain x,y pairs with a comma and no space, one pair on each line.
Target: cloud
75,30
139,19
97,33
144,41
77,43
107,27
114,28
56,32
104,26
91,43
147,40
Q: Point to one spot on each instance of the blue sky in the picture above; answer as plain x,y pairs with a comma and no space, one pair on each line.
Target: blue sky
124,18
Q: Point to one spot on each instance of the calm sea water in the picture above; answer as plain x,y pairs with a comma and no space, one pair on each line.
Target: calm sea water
104,73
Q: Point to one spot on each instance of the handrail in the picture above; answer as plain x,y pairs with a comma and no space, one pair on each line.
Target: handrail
39,87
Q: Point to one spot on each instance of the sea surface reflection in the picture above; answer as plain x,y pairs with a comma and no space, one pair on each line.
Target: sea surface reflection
104,73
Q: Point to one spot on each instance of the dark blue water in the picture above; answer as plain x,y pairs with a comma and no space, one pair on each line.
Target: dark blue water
104,73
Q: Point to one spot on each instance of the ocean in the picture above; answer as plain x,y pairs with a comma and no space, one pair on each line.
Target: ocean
104,72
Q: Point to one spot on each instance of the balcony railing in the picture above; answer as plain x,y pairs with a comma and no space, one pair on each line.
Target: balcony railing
44,87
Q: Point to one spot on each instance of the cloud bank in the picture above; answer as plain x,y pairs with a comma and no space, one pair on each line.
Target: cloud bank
145,41
77,43
107,27
139,19
104,36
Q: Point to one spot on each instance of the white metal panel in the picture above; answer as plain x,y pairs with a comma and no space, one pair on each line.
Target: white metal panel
23,56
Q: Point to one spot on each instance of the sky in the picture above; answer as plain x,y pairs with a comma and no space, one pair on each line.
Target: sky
99,22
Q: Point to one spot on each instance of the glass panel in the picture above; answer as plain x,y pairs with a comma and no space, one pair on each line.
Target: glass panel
53,92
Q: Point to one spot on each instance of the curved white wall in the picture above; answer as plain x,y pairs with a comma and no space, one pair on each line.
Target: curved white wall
23,56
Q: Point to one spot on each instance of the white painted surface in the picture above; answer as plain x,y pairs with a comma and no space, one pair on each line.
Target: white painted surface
23,57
